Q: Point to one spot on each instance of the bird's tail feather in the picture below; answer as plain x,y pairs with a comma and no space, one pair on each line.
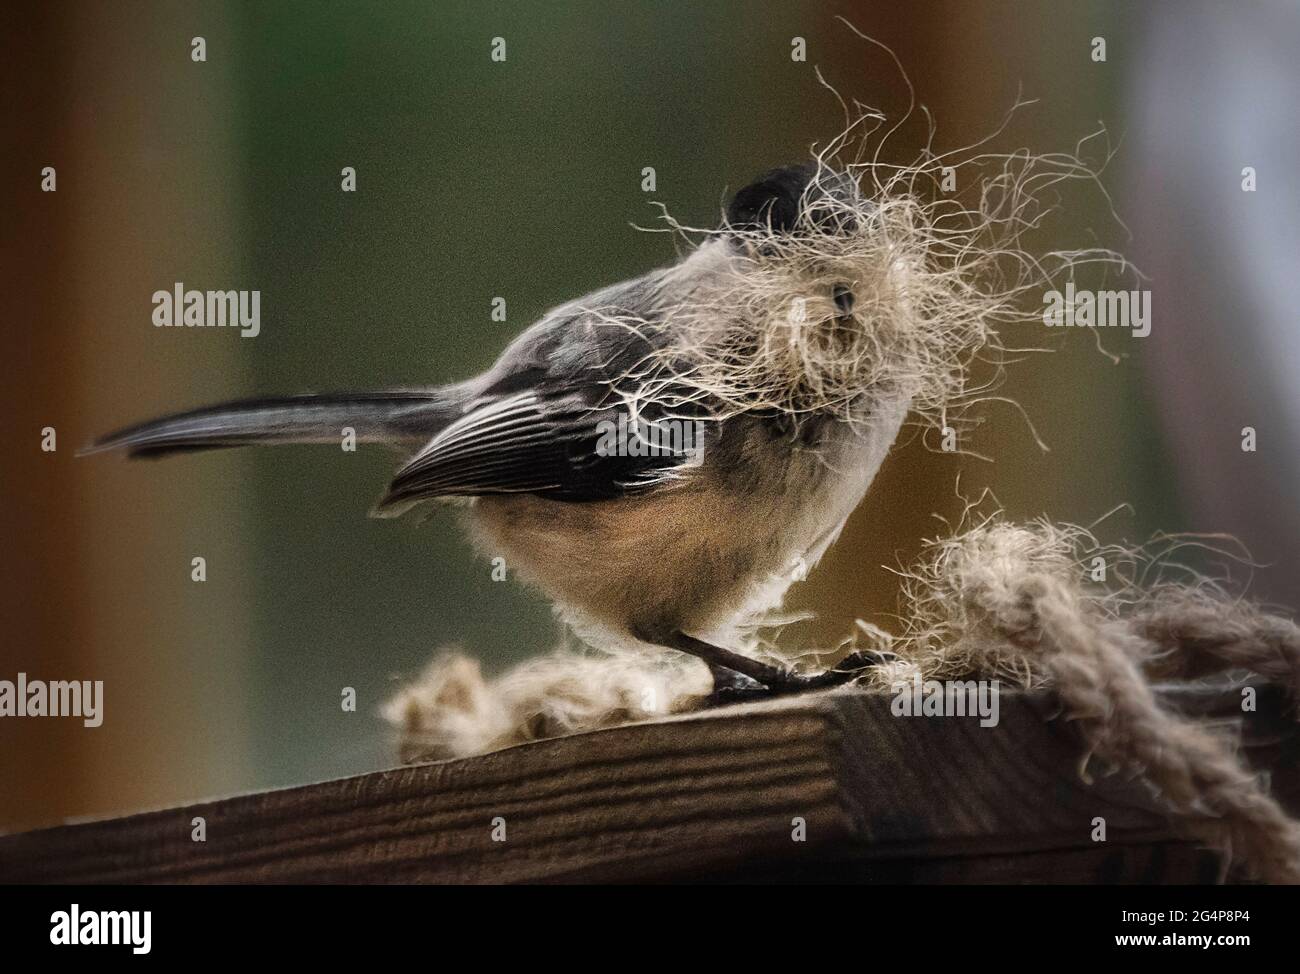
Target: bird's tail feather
399,418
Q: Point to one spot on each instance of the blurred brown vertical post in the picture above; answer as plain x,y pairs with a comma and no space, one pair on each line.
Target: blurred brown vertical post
98,551
40,563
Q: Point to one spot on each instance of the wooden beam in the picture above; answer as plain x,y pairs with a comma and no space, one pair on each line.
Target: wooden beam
706,796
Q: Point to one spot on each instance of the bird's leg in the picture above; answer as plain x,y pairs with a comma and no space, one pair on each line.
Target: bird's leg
719,659
737,677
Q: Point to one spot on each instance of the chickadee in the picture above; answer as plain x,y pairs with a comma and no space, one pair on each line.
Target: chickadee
762,347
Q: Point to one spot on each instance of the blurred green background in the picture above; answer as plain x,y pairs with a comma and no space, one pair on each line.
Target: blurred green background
519,179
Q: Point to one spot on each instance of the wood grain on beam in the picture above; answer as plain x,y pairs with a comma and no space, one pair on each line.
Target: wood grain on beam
703,796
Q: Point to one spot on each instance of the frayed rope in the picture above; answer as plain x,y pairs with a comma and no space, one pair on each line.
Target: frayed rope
451,710
1010,599
997,600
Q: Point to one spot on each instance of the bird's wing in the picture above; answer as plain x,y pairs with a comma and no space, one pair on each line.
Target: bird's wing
533,443
540,420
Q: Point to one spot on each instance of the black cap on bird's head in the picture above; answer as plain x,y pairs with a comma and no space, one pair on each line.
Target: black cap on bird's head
807,197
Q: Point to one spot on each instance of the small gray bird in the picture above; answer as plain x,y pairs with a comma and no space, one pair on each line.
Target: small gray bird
664,457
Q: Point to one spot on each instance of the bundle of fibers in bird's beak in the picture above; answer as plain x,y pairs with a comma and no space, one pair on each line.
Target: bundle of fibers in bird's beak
881,279
996,600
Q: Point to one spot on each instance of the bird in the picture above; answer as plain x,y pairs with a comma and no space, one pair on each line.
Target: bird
664,457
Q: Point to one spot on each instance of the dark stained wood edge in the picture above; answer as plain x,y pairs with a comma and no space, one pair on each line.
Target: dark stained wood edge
702,796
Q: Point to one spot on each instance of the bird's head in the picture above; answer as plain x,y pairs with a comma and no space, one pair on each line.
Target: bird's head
826,290
807,297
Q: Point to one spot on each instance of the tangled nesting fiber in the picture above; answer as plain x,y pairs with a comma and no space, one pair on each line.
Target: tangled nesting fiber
935,277
997,600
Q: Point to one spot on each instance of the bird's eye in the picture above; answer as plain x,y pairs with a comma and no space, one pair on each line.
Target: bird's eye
842,295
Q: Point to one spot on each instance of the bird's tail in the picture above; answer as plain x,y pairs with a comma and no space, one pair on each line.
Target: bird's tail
399,419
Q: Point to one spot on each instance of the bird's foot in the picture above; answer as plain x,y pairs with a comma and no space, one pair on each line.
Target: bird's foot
732,687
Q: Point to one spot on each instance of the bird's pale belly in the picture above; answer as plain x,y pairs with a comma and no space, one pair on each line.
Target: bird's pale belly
695,556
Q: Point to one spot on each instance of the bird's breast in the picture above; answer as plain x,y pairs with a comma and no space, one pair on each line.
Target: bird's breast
704,553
